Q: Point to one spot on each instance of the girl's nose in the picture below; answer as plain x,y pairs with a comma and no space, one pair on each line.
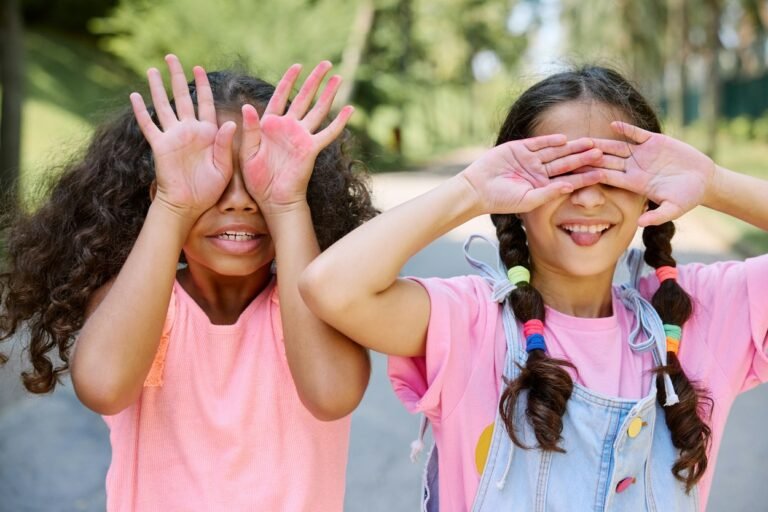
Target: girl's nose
589,197
236,196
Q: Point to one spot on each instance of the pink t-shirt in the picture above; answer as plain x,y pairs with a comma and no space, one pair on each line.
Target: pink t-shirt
219,425
457,384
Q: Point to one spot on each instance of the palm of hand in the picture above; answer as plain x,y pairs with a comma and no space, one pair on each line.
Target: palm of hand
184,163
279,171
667,170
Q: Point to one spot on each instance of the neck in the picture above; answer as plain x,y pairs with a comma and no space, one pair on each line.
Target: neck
223,298
580,296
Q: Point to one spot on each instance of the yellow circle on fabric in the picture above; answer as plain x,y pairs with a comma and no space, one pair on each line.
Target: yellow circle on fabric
635,426
483,447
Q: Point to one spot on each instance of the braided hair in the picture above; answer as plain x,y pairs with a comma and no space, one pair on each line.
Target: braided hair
545,379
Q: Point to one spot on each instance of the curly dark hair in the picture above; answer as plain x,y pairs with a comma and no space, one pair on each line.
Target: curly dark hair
548,384
79,239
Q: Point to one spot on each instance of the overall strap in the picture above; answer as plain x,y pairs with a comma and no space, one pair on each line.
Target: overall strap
647,321
501,288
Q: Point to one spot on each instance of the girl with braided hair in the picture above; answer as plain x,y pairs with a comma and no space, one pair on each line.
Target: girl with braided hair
221,390
548,387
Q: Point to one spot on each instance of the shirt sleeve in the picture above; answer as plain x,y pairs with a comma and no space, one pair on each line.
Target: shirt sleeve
461,323
729,326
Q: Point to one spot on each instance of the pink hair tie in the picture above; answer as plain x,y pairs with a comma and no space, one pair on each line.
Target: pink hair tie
534,326
666,272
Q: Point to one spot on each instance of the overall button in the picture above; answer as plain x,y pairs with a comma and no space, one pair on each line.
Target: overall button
624,484
634,427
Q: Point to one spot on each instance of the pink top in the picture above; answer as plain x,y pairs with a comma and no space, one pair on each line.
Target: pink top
457,384
219,425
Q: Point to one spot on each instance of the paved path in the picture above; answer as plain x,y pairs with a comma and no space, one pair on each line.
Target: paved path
54,453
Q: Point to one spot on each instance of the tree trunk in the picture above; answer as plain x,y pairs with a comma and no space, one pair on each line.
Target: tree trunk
353,52
677,55
11,74
709,105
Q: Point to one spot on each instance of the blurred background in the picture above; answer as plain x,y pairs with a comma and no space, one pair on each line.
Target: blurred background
431,80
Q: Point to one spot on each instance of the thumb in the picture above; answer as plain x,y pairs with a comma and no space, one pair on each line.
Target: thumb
222,148
539,196
665,212
251,139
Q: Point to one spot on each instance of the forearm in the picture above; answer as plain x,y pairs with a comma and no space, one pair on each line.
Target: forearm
368,261
331,372
117,344
740,196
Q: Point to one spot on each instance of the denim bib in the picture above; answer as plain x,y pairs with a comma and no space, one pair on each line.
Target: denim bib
619,452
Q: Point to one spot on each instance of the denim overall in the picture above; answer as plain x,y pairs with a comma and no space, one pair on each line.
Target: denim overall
619,452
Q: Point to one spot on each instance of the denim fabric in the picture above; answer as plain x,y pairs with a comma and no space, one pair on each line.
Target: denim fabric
600,453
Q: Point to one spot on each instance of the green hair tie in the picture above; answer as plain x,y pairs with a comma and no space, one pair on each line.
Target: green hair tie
518,274
673,331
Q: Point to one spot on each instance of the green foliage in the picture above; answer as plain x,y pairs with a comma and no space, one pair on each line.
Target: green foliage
264,36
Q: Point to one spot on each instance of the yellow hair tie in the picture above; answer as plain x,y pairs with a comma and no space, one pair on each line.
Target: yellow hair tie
519,274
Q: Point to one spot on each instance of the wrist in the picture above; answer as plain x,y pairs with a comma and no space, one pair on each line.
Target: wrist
716,185
468,202
174,220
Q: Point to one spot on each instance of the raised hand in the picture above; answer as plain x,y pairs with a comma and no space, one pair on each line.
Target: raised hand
278,152
667,171
193,155
521,175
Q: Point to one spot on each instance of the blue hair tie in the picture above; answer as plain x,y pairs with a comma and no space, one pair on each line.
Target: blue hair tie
535,342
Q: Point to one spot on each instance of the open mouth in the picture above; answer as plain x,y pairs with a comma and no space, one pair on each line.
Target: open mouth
585,234
237,236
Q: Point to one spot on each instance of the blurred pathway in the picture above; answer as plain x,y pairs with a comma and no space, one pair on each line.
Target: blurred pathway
54,453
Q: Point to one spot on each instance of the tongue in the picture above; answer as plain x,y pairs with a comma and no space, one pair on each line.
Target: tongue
584,239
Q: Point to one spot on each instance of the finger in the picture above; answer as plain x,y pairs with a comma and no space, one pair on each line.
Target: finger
222,148
333,130
303,99
315,117
206,109
181,97
665,212
550,153
581,179
251,138
541,195
570,163
146,124
631,131
614,147
165,113
279,98
543,141
620,180
614,163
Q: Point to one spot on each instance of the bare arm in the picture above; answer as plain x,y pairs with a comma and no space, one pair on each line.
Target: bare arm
354,285
193,163
278,152
741,196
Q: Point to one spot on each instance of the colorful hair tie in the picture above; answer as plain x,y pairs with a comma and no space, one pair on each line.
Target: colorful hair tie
519,274
666,272
674,335
534,335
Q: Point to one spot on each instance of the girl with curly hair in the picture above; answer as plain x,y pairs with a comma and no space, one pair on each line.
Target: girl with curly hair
548,387
222,391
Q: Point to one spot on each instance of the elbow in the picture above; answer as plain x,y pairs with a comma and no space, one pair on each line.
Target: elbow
102,399
322,293
332,407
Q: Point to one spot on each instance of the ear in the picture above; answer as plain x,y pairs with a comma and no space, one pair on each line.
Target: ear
152,190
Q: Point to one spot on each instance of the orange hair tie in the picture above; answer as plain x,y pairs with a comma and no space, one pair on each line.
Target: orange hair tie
666,272
673,345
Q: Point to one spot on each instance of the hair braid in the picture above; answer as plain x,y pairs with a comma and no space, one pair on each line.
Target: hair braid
690,433
548,385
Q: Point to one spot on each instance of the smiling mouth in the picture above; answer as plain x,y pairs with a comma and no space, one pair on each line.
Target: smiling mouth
237,236
585,235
